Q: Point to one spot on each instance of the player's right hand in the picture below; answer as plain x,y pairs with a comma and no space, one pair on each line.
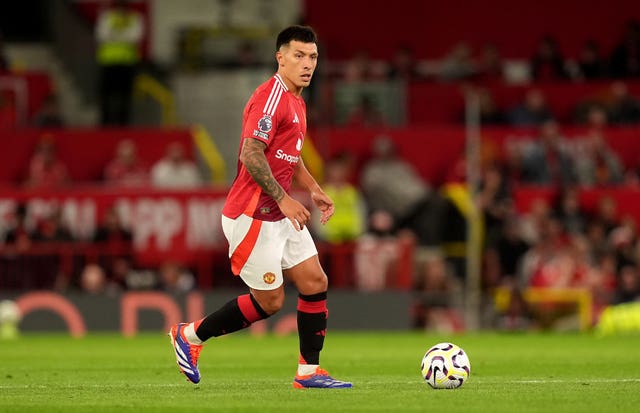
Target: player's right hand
295,211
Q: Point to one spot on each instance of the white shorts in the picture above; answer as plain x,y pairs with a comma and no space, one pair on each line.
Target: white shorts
260,250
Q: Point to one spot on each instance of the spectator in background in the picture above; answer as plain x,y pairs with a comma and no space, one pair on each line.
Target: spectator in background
628,285
115,243
568,211
490,68
403,65
123,276
111,230
597,118
436,290
45,169
504,256
50,114
175,170
173,278
546,161
119,32
625,59
19,235
490,113
391,185
551,244
126,169
533,111
366,114
606,215
93,280
624,239
360,68
597,164
378,251
623,108
601,280
566,267
547,63
596,237
494,200
347,223
458,64
532,222
591,65
53,228
591,113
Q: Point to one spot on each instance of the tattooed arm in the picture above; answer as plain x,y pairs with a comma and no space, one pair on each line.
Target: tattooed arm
253,158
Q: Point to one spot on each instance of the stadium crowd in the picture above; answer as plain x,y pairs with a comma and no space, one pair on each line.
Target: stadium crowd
383,205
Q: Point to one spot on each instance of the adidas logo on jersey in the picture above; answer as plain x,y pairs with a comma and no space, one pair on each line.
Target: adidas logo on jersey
295,118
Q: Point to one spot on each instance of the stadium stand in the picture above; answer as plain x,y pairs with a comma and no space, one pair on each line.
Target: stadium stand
394,79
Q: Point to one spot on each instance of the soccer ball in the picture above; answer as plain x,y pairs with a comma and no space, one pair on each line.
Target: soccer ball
445,366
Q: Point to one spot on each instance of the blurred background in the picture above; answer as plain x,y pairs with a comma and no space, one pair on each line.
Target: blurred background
484,158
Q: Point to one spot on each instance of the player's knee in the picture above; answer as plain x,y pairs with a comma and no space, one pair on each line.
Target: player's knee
314,284
272,303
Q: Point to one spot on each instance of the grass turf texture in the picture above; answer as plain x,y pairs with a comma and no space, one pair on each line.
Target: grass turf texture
521,373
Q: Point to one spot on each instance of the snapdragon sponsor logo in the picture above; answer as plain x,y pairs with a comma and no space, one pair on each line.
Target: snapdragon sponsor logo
280,154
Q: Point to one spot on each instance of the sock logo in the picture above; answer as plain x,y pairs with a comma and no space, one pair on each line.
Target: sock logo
269,278
321,333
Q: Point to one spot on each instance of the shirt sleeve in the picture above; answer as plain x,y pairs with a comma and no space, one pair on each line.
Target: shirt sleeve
259,122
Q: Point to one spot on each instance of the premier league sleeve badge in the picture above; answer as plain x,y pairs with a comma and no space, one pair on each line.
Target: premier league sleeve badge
264,126
265,123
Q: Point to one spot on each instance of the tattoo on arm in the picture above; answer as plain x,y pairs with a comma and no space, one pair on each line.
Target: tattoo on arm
253,158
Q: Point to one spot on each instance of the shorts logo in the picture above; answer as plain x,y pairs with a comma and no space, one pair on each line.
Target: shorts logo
269,278
265,124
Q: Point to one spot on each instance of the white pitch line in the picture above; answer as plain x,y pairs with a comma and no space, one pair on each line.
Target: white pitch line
92,386
363,383
585,380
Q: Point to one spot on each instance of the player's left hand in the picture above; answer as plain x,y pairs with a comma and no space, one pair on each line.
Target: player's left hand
324,204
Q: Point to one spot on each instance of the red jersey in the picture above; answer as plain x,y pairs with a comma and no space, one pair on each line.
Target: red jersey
276,117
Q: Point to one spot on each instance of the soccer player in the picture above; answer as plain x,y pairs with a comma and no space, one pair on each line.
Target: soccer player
267,228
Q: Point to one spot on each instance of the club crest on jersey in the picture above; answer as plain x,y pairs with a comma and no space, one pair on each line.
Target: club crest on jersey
265,124
269,278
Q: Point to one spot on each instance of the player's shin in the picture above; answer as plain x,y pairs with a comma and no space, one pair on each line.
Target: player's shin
235,315
312,325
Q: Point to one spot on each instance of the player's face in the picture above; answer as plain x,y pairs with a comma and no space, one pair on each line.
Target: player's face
296,63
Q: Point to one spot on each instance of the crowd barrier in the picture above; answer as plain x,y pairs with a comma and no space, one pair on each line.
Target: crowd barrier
166,225
58,266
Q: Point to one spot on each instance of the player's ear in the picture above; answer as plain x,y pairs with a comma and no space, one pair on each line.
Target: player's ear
279,58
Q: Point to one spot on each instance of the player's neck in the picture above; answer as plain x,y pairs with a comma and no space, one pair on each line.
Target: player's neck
292,88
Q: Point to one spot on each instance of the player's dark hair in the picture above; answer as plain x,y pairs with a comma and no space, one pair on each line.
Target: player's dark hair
304,34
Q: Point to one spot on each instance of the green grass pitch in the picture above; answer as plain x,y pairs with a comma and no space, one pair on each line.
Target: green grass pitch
509,373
